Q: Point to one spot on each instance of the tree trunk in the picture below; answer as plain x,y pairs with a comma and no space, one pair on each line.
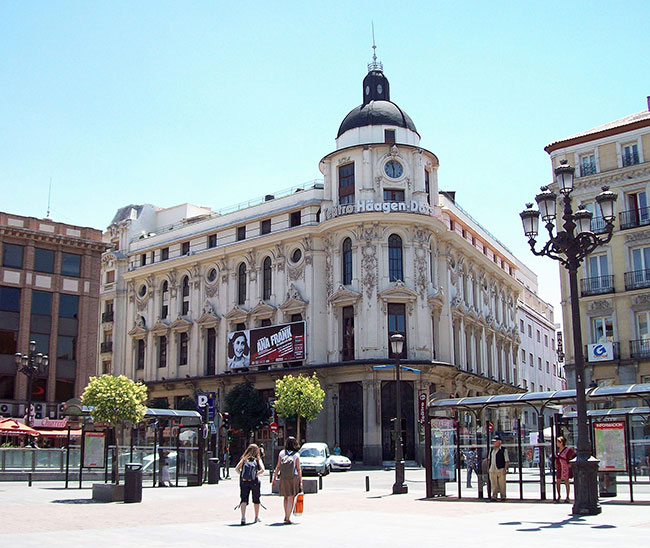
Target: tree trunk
116,468
298,428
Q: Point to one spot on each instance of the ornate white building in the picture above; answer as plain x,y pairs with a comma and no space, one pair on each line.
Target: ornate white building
373,249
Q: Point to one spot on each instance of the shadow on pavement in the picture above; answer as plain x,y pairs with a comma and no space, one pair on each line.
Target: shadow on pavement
534,526
78,501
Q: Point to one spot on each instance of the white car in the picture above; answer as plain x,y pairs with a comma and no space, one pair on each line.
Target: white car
340,463
315,458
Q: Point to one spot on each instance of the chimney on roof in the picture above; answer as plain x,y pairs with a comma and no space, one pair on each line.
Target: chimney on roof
648,99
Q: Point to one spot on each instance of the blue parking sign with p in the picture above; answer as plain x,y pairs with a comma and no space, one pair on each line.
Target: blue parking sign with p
206,399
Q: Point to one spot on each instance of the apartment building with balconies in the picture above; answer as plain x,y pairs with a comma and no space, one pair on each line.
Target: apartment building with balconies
615,279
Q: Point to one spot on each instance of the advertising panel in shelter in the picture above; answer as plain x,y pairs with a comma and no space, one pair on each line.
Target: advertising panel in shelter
266,345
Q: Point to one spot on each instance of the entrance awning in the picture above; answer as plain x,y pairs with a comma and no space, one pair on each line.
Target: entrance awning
58,433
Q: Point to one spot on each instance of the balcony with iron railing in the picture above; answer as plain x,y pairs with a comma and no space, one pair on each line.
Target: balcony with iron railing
107,316
637,279
596,285
616,349
640,348
106,347
598,225
634,217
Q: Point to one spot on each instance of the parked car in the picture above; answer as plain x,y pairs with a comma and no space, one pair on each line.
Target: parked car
147,463
315,459
340,463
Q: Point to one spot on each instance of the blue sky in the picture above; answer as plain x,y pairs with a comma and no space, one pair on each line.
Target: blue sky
214,103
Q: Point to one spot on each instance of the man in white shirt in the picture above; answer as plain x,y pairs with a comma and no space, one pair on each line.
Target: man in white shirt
498,460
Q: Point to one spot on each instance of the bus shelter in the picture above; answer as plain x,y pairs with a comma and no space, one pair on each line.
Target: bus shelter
164,437
458,437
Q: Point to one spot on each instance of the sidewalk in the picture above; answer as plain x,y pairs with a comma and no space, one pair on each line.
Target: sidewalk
343,513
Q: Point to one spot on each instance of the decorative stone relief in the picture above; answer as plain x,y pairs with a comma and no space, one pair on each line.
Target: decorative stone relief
644,235
280,256
369,274
600,306
329,269
420,267
173,282
642,299
296,273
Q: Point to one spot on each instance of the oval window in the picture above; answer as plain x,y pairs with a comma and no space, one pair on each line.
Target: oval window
212,275
296,255
142,291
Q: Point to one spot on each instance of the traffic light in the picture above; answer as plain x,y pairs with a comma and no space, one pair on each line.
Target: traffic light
226,421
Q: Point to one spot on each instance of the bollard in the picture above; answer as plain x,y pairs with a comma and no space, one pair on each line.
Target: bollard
320,482
367,483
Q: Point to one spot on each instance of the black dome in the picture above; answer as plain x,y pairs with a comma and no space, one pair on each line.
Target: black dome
376,113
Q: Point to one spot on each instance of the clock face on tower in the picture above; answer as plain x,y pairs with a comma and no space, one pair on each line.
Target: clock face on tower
393,169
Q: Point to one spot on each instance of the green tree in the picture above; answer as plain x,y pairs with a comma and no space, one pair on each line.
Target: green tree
115,401
159,403
246,407
300,396
188,403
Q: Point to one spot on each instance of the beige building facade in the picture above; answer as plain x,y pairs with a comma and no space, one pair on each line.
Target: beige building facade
614,281
373,249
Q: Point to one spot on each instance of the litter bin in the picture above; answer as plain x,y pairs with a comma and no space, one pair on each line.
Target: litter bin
213,470
133,482
607,484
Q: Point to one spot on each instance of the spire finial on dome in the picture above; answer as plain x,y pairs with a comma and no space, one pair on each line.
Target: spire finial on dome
375,65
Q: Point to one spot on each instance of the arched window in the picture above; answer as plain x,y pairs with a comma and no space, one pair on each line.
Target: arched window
164,299
266,279
241,284
185,292
395,267
347,261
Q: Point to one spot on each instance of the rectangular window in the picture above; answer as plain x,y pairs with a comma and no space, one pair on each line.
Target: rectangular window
162,352
8,342
587,164
546,340
241,233
396,324
66,348
523,357
265,322
143,259
185,248
140,356
42,303
164,254
294,219
548,367
110,276
643,326
389,136
427,185
539,336
539,363
69,306
182,349
12,255
42,341
630,154
530,332
265,226
9,299
43,260
393,195
346,184
212,241
71,264
348,333
531,361
532,387
602,329
211,352
521,326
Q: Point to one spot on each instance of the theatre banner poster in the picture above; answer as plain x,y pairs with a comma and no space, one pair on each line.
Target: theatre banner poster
267,345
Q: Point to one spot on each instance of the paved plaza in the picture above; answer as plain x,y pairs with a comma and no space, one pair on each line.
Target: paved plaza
342,514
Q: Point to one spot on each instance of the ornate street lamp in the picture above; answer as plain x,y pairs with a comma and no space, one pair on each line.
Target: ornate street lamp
30,365
399,487
570,245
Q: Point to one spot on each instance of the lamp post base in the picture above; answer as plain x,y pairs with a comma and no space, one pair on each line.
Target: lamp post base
399,487
585,474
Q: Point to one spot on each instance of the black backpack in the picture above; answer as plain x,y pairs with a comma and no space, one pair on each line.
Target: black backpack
249,470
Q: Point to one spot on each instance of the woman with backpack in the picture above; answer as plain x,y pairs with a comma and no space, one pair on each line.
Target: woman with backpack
250,467
288,468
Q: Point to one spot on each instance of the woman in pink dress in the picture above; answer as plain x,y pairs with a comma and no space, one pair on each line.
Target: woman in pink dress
563,472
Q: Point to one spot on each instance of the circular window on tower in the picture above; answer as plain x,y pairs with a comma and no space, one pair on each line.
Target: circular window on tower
296,255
